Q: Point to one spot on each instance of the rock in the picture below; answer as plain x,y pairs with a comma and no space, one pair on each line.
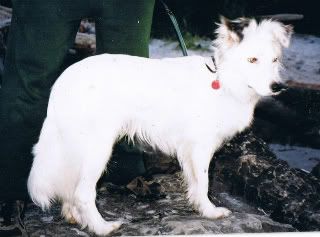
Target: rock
316,171
171,215
141,187
158,163
246,167
292,117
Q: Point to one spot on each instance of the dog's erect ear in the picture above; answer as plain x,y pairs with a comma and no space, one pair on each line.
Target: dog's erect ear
236,26
283,34
230,33
233,30
225,32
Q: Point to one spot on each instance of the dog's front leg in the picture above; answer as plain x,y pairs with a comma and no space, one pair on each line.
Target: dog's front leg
195,165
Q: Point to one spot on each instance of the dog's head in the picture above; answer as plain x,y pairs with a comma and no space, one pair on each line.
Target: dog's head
252,51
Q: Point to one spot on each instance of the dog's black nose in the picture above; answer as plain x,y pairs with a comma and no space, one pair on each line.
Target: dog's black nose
277,87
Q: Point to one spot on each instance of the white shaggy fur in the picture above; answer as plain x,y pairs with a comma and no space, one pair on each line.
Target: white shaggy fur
167,103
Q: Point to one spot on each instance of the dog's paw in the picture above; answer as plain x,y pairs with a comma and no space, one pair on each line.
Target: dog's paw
70,214
106,227
216,212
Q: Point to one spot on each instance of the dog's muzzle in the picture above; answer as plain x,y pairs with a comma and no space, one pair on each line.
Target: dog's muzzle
278,87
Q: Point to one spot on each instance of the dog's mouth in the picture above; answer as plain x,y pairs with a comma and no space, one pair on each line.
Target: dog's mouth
276,93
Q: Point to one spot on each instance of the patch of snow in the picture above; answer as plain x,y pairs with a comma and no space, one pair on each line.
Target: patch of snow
143,206
160,48
151,212
298,157
47,219
302,59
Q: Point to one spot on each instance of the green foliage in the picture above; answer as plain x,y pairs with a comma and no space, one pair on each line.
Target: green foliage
192,41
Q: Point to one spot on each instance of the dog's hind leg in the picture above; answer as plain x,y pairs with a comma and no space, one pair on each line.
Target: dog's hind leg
195,165
70,212
93,163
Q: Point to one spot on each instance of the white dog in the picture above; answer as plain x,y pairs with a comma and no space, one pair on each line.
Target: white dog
176,105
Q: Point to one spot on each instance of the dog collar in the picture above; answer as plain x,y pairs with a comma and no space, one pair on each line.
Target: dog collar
215,83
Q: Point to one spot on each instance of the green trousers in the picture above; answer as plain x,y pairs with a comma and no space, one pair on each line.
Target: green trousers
41,33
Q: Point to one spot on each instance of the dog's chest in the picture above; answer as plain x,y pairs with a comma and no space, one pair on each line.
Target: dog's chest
234,117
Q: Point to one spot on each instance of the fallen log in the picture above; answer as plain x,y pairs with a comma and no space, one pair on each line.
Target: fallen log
284,17
245,166
295,84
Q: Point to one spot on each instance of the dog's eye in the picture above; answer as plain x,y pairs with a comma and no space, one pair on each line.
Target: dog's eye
275,60
252,60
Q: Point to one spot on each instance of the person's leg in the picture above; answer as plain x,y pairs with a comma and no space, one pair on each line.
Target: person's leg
123,27
39,38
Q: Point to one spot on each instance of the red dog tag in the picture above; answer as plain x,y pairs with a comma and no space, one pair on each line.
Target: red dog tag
215,84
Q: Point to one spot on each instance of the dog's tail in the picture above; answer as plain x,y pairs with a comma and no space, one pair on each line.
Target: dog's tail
42,181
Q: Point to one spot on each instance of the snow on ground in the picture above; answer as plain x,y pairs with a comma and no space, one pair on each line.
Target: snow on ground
298,157
301,60
160,48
